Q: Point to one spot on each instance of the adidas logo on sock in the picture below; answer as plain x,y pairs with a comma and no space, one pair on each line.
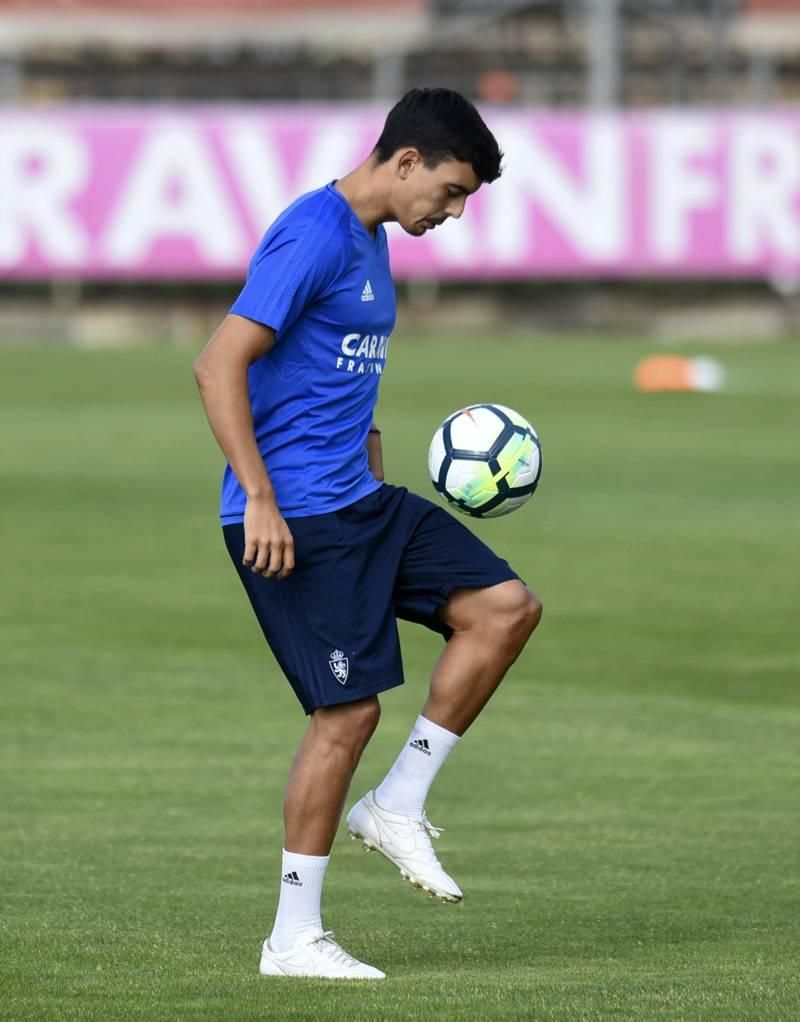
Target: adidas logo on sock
293,878
421,745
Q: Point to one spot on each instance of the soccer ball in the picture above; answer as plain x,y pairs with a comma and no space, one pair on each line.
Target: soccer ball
486,460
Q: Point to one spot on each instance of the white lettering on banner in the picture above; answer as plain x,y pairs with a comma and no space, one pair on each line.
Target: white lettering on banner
260,165
42,168
654,193
456,244
591,212
174,190
764,190
678,186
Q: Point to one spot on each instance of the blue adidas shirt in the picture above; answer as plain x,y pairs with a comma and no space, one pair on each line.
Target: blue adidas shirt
324,285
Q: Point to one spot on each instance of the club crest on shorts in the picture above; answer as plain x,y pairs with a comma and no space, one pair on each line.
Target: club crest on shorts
340,666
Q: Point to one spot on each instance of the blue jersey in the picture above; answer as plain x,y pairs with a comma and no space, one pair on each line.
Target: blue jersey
324,285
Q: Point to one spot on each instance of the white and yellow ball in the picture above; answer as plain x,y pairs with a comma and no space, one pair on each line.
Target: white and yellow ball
486,460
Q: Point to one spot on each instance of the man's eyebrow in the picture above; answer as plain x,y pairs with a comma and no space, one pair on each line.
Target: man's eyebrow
460,188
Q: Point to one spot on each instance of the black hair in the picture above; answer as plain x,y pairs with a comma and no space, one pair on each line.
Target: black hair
442,125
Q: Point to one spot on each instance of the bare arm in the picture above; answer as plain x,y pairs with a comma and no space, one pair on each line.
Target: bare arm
375,452
221,374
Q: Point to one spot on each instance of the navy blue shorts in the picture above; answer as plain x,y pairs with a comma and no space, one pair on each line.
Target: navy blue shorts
332,624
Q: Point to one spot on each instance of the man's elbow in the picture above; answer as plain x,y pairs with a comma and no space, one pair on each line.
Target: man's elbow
201,370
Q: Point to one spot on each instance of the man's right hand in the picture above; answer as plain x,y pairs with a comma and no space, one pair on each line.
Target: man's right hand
268,543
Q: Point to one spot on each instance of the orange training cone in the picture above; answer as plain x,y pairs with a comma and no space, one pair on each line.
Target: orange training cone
674,373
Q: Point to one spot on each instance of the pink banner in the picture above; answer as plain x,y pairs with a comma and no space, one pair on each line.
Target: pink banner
186,192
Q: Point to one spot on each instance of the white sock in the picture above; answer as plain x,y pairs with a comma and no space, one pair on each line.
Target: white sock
405,787
299,911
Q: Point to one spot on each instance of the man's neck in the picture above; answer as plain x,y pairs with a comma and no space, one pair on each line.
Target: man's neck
363,190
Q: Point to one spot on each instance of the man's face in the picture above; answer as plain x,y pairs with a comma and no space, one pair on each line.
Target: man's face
423,198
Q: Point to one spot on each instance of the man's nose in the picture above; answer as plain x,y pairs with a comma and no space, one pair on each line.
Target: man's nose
456,207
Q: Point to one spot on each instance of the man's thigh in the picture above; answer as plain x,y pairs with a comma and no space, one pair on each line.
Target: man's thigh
331,624
442,556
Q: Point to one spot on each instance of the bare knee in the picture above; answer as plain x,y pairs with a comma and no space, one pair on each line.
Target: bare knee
518,614
532,612
350,724
507,613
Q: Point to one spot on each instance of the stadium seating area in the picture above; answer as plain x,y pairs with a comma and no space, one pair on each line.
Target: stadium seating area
712,51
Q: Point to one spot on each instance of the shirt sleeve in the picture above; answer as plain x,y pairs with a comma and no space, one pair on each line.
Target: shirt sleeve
296,262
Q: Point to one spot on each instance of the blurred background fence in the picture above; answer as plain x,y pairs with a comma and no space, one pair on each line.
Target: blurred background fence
652,147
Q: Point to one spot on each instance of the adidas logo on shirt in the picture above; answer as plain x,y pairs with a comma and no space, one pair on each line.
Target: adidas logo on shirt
421,745
293,879
368,295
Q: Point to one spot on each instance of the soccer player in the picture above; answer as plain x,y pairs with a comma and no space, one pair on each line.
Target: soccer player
330,555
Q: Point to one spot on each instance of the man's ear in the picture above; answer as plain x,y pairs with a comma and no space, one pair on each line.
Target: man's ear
407,160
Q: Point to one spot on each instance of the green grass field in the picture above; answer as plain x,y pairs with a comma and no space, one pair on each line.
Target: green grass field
624,818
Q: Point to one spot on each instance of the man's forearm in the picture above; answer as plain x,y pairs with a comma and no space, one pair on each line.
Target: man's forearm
375,452
226,399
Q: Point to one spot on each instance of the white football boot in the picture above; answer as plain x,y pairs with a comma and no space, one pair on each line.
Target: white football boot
406,842
318,957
